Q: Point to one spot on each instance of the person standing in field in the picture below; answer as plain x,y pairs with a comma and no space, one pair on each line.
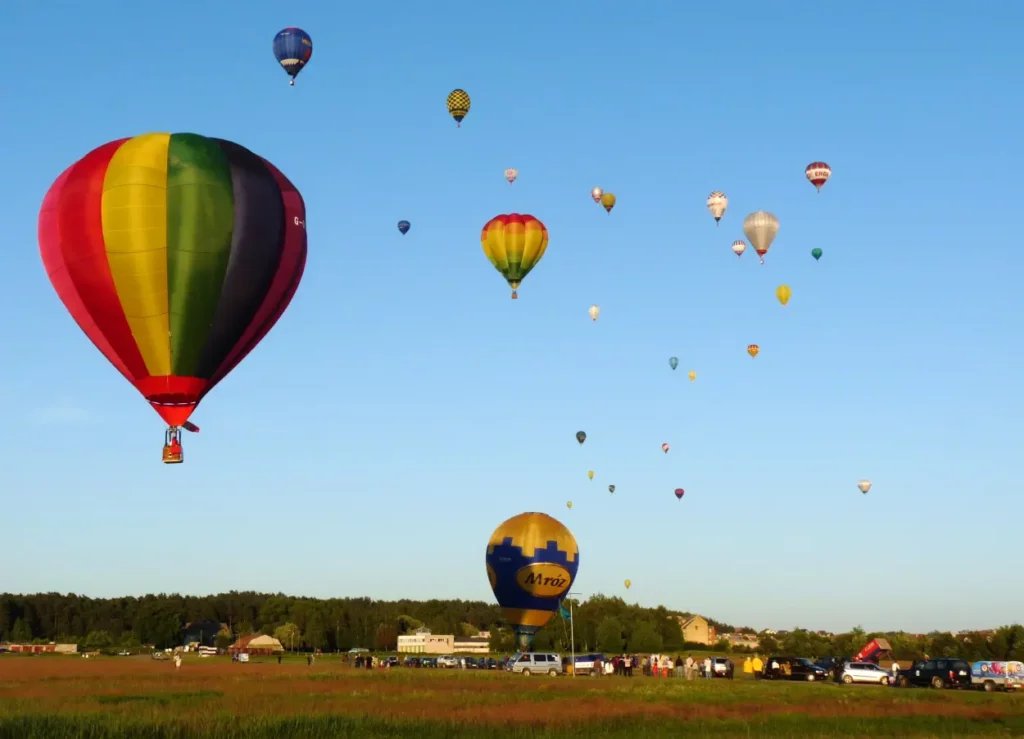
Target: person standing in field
748,667
679,666
689,667
708,670
758,666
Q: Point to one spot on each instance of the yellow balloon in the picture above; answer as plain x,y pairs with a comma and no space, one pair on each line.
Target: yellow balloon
608,201
590,474
693,375
628,583
569,504
783,293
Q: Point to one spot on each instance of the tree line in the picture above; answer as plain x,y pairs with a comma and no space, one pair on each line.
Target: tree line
600,623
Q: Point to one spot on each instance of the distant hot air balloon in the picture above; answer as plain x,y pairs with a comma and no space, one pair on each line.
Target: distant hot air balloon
665,448
783,293
403,226
510,174
596,194
611,488
680,493
760,228
738,247
568,504
594,312
864,486
581,436
628,583
717,203
590,474
514,244
458,105
532,561
673,362
816,253
608,201
818,173
293,49
693,375
175,254
753,350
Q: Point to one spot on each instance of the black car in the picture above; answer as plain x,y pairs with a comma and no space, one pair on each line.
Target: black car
792,668
938,673
832,665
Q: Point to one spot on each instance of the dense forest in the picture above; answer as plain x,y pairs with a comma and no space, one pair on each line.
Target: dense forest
600,623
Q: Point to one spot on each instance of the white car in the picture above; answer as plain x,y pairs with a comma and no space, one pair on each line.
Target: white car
447,661
865,672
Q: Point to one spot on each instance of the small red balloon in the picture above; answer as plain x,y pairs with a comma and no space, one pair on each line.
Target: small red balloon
680,493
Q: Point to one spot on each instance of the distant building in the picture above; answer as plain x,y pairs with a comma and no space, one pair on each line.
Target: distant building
201,633
41,648
697,630
471,645
423,642
743,641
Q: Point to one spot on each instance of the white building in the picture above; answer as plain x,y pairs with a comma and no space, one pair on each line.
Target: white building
423,642
472,645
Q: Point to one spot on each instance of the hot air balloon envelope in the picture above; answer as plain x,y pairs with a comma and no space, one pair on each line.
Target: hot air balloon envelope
514,244
628,583
673,362
404,226
590,474
864,485
680,493
594,312
665,448
596,194
753,350
816,253
175,254
717,204
293,49
458,105
532,561
817,174
693,376
611,488
581,436
608,201
783,293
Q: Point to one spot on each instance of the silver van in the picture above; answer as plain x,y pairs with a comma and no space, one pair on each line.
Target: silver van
536,663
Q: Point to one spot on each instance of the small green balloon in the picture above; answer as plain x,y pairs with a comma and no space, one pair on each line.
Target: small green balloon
816,253
673,362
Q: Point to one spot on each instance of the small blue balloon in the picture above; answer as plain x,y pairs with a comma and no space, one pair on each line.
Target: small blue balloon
403,226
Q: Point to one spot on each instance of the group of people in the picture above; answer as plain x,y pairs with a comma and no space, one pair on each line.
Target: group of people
658,665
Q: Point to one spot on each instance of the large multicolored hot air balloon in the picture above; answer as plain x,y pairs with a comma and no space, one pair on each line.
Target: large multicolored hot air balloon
458,105
532,561
817,174
783,293
738,247
581,436
175,254
608,201
514,244
404,227
761,228
293,49
717,204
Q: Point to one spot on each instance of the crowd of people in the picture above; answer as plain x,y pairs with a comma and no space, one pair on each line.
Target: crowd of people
659,665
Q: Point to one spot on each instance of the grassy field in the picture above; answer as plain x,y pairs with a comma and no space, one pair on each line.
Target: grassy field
70,697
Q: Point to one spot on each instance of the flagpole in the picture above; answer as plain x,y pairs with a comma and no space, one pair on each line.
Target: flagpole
572,635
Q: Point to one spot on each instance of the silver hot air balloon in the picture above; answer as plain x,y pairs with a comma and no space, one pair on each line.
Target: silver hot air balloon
760,228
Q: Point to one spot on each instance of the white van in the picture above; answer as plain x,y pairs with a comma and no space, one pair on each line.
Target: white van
530,663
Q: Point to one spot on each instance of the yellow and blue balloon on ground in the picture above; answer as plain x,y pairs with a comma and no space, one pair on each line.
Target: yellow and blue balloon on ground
532,561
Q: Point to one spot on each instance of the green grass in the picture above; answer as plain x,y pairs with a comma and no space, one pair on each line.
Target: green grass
86,726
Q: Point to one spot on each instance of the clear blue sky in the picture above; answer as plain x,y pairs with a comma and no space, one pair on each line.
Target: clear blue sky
404,406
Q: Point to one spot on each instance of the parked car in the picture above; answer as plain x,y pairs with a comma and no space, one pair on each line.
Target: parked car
722,667
428,662
492,664
864,672
833,665
530,663
991,675
792,668
938,673
586,664
389,662
447,661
